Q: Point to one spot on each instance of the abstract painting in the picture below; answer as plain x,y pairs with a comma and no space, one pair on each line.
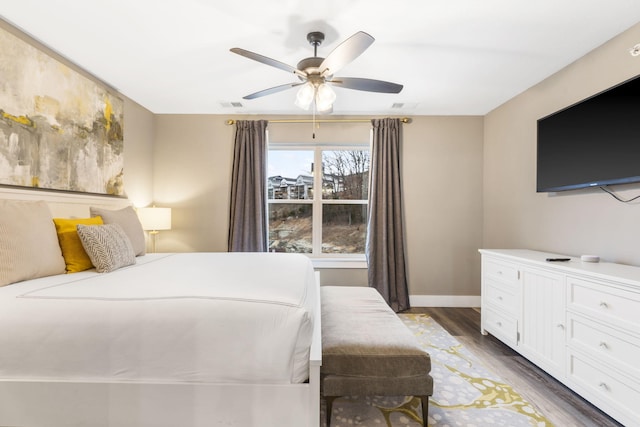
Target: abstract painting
59,130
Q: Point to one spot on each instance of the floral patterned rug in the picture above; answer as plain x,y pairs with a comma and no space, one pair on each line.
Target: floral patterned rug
466,393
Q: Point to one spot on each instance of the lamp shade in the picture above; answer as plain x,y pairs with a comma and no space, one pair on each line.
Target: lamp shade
325,97
305,95
155,219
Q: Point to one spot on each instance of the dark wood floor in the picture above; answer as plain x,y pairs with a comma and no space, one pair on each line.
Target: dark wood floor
560,405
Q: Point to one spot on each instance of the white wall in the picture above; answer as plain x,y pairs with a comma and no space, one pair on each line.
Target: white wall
575,222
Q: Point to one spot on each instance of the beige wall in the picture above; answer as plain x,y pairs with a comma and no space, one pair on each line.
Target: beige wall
442,161
442,179
574,222
139,132
192,168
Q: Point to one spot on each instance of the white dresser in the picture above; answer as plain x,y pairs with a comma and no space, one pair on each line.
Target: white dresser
578,321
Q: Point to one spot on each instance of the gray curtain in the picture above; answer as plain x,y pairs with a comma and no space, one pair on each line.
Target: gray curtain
248,213
385,233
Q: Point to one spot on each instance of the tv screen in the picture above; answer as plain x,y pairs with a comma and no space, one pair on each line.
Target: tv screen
593,143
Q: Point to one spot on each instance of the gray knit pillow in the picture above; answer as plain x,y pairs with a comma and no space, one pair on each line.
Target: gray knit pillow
107,245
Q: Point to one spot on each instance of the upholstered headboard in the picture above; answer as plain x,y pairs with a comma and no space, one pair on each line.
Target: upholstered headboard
65,205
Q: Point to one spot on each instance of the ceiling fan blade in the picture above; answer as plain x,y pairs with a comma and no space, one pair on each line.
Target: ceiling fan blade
272,90
266,60
345,52
368,85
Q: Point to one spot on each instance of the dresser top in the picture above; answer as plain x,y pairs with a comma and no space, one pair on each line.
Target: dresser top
626,274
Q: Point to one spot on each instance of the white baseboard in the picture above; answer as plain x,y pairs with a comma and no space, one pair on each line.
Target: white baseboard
444,300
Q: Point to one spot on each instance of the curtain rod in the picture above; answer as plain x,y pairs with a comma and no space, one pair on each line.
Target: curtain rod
403,120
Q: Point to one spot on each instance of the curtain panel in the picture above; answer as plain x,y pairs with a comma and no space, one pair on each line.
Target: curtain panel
248,210
385,230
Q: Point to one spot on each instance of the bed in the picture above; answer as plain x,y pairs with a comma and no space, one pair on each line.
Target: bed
185,339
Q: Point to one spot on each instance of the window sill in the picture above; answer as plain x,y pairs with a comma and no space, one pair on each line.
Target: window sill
320,263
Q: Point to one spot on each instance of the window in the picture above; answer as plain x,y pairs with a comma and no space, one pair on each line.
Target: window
321,211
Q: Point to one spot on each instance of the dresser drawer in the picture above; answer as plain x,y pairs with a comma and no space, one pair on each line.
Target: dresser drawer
502,297
604,302
503,272
500,325
611,346
616,394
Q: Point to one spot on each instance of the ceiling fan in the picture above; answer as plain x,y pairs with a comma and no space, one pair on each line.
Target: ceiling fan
317,74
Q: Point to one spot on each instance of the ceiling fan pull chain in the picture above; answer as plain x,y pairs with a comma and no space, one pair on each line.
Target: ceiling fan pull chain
313,123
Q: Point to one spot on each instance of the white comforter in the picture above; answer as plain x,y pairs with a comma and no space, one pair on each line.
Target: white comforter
198,317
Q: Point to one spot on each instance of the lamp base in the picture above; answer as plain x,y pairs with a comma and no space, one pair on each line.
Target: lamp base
152,236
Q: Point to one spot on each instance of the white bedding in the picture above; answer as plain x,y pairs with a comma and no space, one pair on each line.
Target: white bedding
170,318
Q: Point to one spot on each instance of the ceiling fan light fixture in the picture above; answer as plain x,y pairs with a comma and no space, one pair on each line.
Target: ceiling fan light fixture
325,96
316,72
305,96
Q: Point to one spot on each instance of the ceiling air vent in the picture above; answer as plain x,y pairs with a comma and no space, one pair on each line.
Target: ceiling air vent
405,105
231,104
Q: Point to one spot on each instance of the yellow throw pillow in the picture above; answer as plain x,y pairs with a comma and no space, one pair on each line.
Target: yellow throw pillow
75,257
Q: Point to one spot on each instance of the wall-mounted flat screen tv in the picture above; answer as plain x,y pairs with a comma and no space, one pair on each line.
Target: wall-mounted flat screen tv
593,143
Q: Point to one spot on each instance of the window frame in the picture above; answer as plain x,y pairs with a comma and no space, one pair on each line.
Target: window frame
320,259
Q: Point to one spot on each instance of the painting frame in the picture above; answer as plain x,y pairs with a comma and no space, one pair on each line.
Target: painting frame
60,130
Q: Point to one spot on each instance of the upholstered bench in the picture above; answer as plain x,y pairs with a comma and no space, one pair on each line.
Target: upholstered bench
368,351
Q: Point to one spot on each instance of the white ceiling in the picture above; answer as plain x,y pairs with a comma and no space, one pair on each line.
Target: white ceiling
454,57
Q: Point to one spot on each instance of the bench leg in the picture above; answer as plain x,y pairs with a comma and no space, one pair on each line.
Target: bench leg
329,408
425,409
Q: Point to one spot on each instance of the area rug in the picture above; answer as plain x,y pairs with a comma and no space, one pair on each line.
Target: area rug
466,393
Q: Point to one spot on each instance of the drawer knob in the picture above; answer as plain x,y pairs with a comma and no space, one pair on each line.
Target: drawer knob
500,298
500,272
499,324
604,386
604,345
560,326
603,304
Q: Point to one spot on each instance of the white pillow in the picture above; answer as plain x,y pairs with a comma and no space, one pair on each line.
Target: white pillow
29,246
107,245
130,223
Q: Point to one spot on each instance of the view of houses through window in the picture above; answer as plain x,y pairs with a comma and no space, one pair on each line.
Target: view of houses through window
331,220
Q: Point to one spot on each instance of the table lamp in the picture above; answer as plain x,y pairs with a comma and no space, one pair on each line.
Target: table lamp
153,220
